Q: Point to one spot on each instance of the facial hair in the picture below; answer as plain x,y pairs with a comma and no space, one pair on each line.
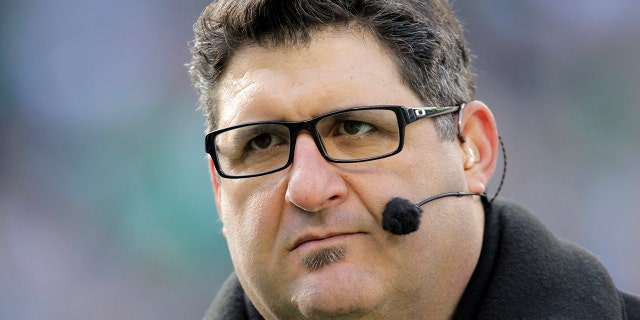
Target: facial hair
320,258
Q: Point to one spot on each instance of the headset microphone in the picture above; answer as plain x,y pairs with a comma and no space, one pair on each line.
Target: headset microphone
401,217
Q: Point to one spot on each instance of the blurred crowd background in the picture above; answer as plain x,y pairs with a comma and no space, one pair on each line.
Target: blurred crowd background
106,210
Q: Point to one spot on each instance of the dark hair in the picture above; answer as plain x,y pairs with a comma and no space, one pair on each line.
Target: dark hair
424,38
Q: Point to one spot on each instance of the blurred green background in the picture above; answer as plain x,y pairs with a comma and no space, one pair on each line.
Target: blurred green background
106,211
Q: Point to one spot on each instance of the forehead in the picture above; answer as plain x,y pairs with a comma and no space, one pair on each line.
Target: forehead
335,70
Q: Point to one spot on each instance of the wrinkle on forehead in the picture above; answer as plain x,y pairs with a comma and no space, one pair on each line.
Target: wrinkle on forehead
234,96
273,83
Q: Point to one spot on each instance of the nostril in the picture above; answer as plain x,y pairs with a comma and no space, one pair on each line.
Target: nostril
301,207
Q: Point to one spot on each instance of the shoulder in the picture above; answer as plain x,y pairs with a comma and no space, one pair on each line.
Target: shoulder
537,274
631,305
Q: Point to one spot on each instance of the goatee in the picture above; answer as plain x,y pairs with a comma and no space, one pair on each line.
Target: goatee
320,258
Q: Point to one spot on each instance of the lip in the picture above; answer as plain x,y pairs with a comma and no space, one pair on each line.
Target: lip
311,239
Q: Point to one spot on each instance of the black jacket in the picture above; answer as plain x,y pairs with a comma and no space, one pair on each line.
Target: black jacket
524,272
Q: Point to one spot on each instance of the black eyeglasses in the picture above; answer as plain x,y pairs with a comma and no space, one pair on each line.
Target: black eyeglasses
350,135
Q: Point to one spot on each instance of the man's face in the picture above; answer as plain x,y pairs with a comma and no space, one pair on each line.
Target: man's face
278,225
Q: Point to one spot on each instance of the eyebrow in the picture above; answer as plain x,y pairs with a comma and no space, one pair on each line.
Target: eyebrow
254,129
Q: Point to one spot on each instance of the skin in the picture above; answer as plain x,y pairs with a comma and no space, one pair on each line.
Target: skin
381,276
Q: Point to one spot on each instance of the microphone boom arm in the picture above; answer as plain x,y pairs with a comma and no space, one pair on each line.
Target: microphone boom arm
449,194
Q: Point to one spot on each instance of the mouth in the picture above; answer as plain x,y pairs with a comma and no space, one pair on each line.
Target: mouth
315,241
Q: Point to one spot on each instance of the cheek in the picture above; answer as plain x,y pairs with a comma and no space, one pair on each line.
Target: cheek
463,230
449,245
422,172
250,215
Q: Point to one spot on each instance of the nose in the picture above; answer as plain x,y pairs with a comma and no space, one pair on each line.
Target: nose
314,183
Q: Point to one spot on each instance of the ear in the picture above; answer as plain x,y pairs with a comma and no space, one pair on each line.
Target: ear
480,146
215,181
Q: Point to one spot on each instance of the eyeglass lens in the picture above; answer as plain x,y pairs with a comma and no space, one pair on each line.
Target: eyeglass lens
347,136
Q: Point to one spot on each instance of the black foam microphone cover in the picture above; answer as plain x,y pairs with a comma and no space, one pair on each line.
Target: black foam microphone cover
401,217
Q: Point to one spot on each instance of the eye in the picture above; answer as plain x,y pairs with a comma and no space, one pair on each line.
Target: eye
354,128
264,141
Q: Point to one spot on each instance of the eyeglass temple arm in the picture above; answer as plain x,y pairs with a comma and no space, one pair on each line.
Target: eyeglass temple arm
417,113
460,135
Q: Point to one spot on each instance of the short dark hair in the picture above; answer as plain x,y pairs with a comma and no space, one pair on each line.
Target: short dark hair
424,37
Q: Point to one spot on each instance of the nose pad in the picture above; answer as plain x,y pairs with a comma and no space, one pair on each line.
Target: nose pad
314,183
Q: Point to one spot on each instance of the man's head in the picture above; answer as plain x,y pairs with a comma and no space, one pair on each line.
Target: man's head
306,241
423,38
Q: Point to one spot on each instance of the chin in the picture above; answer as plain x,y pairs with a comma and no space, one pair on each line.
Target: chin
336,291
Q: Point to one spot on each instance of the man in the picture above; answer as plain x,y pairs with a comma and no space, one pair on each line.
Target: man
320,113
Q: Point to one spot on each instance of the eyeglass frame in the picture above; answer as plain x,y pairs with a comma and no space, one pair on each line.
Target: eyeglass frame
405,116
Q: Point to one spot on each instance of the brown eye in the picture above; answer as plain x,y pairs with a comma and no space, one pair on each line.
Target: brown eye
264,141
354,128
